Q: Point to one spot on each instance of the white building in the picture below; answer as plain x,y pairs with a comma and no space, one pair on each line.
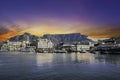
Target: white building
13,45
84,46
44,43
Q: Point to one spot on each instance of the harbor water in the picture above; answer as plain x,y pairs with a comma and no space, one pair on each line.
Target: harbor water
57,66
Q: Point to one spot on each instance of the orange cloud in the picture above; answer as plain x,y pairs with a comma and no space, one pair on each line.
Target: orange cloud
9,34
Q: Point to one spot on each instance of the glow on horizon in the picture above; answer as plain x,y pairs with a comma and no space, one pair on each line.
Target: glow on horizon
39,31
60,28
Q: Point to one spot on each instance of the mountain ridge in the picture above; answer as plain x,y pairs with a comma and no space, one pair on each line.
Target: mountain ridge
55,38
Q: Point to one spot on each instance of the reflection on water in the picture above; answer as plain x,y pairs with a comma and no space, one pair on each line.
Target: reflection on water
55,66
112,59
87,58
64,58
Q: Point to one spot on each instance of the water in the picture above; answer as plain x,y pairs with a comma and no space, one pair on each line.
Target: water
86,66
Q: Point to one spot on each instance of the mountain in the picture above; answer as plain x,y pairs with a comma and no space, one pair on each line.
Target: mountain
24,37
55,38
67,38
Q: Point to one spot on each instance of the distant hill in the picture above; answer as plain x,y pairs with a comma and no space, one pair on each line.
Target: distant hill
67,38
24,37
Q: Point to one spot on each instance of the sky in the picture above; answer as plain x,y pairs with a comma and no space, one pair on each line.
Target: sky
94,18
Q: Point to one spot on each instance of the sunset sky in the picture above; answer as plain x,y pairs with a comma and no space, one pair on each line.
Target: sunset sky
95,18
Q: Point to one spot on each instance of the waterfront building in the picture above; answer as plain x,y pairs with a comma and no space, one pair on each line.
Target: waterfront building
84,46
11,46
44,43
77,47
14,45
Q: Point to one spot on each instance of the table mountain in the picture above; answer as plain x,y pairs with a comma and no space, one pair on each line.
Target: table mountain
66,38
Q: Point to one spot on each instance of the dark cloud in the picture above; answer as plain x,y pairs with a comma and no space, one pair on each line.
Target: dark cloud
3,29
8,28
